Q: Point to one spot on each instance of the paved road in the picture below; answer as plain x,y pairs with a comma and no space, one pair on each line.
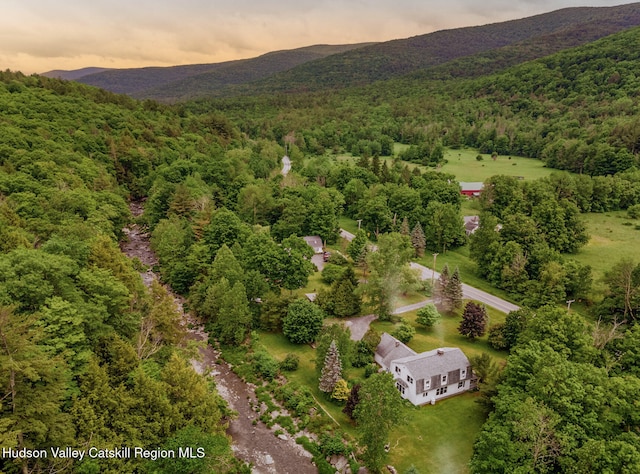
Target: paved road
468,291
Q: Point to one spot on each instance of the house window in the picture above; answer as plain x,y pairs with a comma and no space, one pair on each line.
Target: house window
427,384
425,394
400,388
397,369
441,391
462,383
444,379
463,374
409,379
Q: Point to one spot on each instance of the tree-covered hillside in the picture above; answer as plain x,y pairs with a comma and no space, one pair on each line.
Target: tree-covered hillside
575,110
181,83
74,369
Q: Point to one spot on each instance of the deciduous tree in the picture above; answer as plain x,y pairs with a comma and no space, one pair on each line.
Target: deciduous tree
474,321
377,412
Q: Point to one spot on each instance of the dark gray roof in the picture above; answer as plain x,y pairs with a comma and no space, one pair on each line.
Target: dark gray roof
391,349
435,362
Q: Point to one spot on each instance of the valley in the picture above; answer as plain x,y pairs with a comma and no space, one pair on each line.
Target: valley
157,287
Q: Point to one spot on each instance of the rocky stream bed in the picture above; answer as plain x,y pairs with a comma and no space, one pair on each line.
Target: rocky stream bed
253,443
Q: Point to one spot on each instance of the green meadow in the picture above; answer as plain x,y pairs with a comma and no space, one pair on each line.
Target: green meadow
613,236
435,438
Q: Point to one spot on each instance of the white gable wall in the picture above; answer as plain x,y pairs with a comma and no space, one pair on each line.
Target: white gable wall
406,384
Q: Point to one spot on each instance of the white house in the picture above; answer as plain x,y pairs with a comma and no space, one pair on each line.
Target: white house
426,377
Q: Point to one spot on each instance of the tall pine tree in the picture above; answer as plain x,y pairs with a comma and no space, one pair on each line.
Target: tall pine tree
418,240
332,370
441,285
453,291
345,301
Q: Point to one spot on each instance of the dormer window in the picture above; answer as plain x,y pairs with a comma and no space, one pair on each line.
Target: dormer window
444,379
463,374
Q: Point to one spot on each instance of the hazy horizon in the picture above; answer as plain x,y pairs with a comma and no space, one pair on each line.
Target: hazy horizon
39,36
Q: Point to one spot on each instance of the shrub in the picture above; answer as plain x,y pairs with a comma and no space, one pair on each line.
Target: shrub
331,273
264,365
404,333
496,337
634,211
370,370
331,445
428,316
290,363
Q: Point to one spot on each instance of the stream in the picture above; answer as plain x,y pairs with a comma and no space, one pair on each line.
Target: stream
255,444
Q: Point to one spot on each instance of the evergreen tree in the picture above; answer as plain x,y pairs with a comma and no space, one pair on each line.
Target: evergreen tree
441,285
418,240
341,336
357,245
332,370
453,291
474,321
345,300
404,228
375,165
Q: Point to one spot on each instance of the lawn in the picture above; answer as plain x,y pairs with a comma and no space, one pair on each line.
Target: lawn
279,346
613,237
436,438
439,438
463,164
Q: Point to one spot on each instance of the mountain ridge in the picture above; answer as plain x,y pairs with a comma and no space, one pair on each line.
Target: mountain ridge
445,53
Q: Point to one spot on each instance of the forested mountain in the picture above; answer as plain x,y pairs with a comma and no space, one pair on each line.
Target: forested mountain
466,52
74,74
198,80
497,45
574,110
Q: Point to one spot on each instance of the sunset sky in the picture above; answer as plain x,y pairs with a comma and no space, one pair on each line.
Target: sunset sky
40,35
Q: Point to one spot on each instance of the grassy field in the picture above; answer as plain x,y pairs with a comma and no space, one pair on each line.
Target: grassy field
464,165
613,237
436,438
440,438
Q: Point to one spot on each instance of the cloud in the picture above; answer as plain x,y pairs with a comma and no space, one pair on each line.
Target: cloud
37,35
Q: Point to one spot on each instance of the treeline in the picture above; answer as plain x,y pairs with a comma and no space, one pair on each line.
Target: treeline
89,356
566,399
574,110
529,229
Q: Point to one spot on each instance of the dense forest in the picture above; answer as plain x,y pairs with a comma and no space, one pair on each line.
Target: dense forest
89,355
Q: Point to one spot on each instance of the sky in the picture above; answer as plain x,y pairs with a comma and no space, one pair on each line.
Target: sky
41,35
